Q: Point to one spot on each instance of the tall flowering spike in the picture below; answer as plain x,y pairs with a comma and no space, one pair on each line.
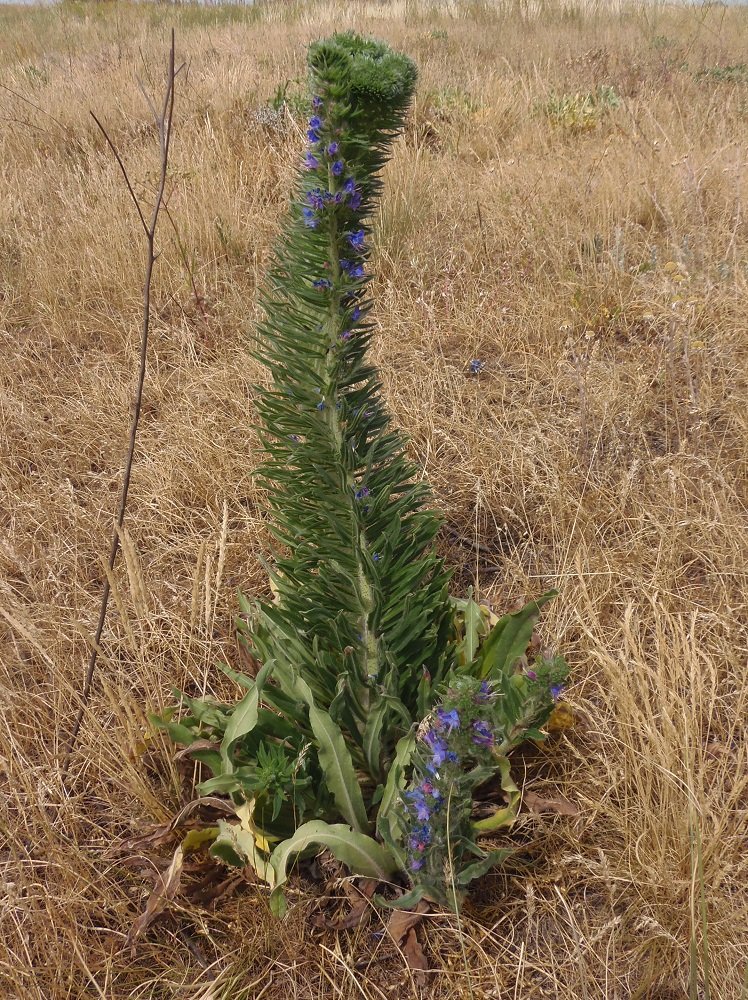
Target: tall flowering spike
363,611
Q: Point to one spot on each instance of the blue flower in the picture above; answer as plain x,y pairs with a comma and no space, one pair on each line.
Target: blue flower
309,218
482,735
312,135
556,690
357,271
321,406
364,492
419,838
440,751
376,557
322,283
355,201
316,121
345,264
346,335
332,149
476,366
357,239
416,865
337,168
317,102
315,199
356,314
310,160
451,719
350,186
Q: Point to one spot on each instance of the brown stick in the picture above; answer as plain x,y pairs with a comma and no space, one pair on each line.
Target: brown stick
163,121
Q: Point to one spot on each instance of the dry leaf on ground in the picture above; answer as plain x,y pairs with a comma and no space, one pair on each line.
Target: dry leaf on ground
165,890
558,805
402,929
359,893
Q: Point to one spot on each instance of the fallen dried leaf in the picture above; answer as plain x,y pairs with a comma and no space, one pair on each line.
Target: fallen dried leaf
165,890
401,921
415,957
558,805
402,929
360,894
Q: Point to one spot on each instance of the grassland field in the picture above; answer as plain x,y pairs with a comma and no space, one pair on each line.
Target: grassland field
568,206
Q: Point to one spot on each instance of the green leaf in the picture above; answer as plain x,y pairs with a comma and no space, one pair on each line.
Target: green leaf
244,717
406,902
508,814
177,732
478,868
396,777
373,738
362,854
340,775
335,761
508,639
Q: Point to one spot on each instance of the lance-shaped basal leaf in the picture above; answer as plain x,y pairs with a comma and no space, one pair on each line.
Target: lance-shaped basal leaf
244,717
335,761
509,638
362,854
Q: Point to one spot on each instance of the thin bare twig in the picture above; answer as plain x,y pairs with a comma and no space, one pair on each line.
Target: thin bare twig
164,122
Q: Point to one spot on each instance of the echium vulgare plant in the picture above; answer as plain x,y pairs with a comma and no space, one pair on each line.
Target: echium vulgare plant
381,703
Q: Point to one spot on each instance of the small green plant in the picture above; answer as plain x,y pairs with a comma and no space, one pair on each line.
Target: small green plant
580,112
724,74
381,702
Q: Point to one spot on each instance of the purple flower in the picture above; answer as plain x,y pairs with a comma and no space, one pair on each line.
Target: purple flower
357,239
556,690
482,735
346,335
360,494
355,201
332,149
440,751
356,314
310,161
416,865
357,271
450,719
317,102
312,135
309,219
337,168
532,675
315,199
350,186
345,264
419,838
315,122
322,283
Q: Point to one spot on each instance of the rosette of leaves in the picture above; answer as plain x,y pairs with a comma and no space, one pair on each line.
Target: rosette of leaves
361,638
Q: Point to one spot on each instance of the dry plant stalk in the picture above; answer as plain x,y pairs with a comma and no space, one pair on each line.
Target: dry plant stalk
163,119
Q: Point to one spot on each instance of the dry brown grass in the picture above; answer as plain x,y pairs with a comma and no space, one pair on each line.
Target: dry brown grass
603,449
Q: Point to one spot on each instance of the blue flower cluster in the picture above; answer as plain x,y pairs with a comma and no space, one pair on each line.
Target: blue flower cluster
327,156
453,730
